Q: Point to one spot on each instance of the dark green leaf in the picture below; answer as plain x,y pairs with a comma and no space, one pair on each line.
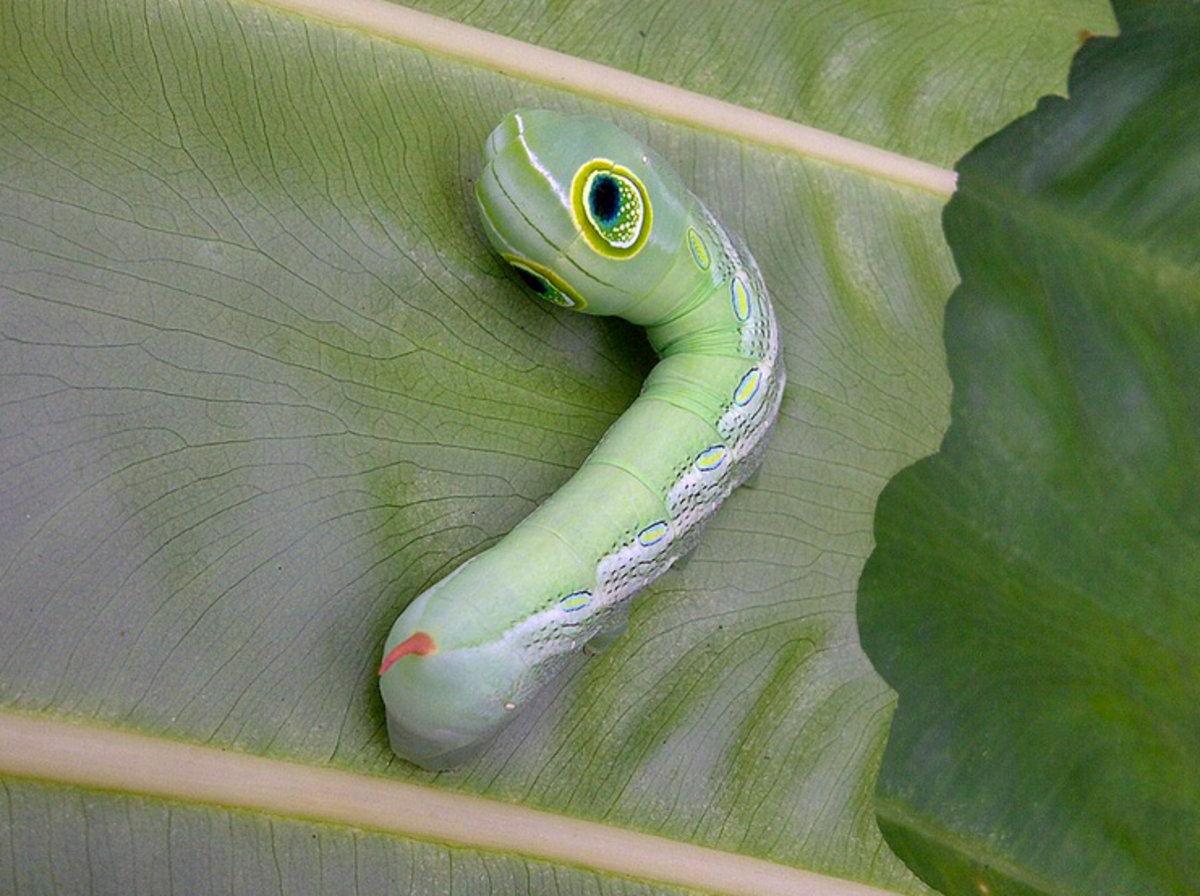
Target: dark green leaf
1035,593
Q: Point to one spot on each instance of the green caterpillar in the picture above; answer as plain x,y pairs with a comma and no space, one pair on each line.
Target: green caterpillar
593,221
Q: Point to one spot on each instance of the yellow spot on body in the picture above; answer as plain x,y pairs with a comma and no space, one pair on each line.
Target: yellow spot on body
653,534
747,387
699,249
576,601
741,298
711,458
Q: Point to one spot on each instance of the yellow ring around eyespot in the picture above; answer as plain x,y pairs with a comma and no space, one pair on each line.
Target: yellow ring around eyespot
575,301
583,220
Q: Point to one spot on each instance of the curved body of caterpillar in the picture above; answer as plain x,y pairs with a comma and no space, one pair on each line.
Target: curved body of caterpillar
593,220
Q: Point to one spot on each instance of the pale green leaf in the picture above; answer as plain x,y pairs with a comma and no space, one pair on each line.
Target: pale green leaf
927,80
261,382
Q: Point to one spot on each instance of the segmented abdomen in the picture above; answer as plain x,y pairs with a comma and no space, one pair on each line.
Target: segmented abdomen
717,391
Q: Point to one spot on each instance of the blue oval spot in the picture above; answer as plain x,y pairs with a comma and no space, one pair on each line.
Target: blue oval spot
575,601
741,298
699,249
653,534
747,387
711,458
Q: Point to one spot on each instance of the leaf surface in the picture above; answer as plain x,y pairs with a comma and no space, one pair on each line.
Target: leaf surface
262,382
927,80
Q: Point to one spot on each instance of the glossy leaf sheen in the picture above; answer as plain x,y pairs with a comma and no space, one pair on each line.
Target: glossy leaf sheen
1033,597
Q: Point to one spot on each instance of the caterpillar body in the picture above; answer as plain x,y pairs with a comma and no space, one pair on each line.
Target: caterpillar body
592,220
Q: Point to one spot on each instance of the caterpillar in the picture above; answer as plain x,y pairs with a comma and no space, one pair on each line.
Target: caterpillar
593,221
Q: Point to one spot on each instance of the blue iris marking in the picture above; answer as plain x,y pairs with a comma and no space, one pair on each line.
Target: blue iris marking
605,199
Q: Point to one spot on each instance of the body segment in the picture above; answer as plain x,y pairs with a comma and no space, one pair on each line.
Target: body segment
593,221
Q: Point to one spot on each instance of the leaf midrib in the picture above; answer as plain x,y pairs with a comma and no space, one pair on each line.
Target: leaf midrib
515,58
105,759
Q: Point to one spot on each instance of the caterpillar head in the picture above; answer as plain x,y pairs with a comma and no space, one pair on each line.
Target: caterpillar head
588,217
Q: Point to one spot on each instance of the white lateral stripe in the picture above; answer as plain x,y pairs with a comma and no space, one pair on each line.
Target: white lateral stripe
537,163
517,58
93,757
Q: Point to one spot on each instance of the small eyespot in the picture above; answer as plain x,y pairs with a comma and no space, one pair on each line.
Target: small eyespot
611,208
538,284
545,284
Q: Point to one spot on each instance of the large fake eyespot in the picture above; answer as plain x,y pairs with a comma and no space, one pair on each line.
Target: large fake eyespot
612,208
546,284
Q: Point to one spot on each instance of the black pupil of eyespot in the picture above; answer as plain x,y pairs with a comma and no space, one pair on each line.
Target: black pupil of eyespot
605,198
533,281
